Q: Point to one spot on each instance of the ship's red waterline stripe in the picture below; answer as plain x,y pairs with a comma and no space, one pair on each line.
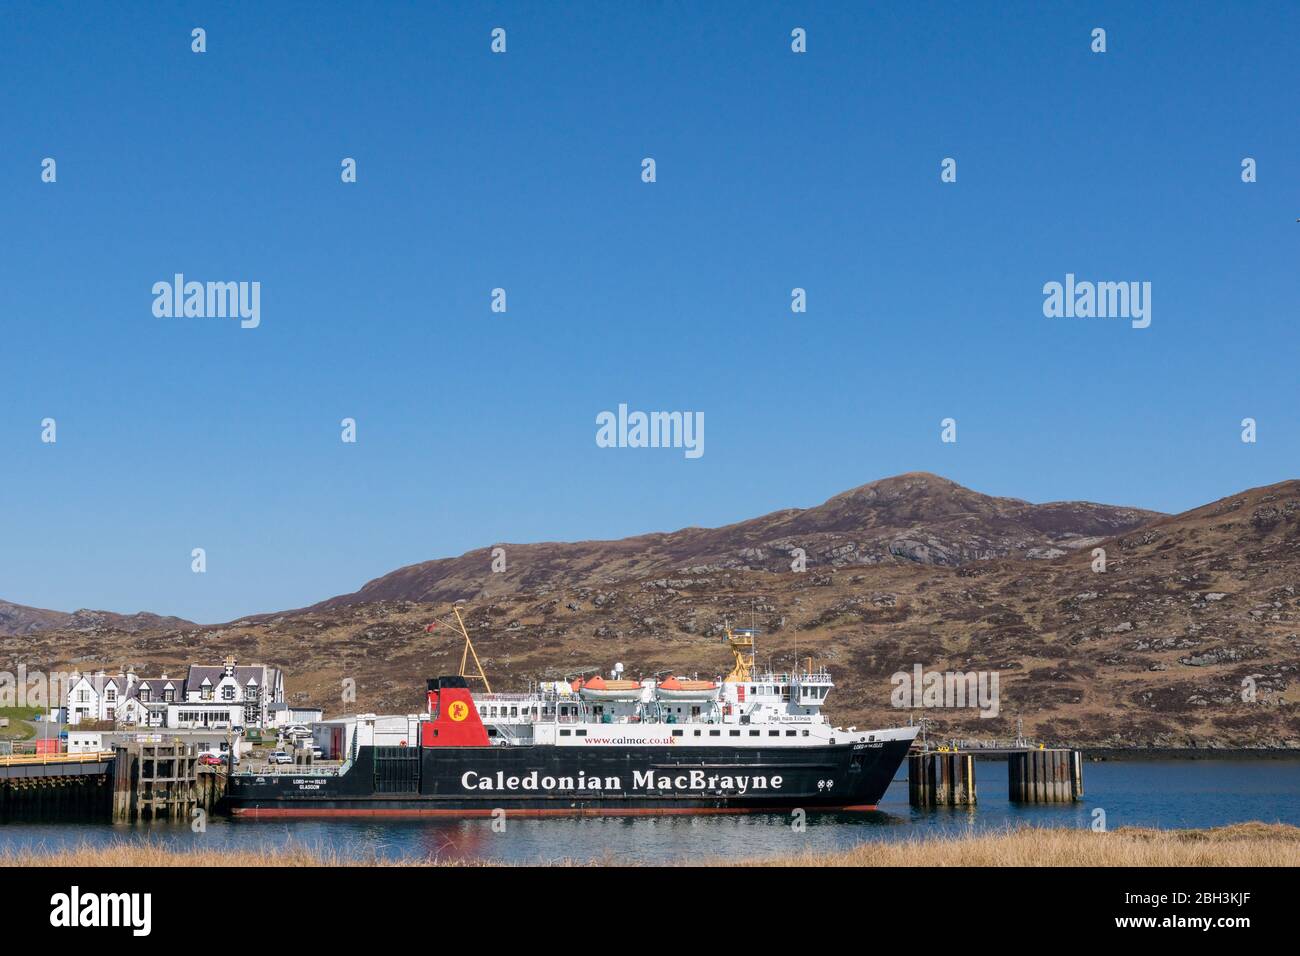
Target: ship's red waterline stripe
258,812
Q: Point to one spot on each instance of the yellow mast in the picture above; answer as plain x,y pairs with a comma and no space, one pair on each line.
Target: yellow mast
468,652
742,648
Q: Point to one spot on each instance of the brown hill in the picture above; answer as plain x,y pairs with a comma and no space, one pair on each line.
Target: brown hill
16,619
912,518
20,619
1189,638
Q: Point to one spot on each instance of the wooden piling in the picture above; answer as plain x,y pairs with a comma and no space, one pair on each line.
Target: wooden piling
941,779
155,781
1045,776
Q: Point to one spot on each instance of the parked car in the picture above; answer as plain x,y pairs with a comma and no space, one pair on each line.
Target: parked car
317,753
210,760
297,730
225,757
280,756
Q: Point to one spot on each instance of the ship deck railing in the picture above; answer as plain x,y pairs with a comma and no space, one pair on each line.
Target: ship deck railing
787,677
294,770
527,721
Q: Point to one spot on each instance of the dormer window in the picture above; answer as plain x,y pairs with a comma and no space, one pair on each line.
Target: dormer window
169,695
144,695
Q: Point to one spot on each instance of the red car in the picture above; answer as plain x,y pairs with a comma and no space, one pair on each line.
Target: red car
211,760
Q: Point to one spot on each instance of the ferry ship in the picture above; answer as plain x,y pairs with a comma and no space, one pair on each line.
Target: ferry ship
748,742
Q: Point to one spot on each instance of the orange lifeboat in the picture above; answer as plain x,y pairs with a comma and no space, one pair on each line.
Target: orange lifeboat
597,688
674,688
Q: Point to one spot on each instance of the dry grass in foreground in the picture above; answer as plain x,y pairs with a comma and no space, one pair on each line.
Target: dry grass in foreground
1242,844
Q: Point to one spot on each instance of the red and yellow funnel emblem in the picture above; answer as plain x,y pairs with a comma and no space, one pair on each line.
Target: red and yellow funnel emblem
458,710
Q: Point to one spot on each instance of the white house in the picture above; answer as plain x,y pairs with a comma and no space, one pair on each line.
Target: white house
85,741
101,697
255,687
229,695
286,715
187,716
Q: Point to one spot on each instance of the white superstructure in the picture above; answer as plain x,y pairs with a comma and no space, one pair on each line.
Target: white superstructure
745,708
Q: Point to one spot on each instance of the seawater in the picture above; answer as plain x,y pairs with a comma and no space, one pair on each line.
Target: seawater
1149,793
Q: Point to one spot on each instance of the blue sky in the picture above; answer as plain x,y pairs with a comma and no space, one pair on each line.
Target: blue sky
522,171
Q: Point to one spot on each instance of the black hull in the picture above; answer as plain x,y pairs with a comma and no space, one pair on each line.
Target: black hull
565,781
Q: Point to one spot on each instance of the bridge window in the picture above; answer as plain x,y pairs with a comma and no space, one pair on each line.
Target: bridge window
677,733
734,733
715,733
564,733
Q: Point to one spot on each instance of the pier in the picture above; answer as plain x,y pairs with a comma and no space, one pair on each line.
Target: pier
946,777
153,781
54,786
1045,776
941,779
138,781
